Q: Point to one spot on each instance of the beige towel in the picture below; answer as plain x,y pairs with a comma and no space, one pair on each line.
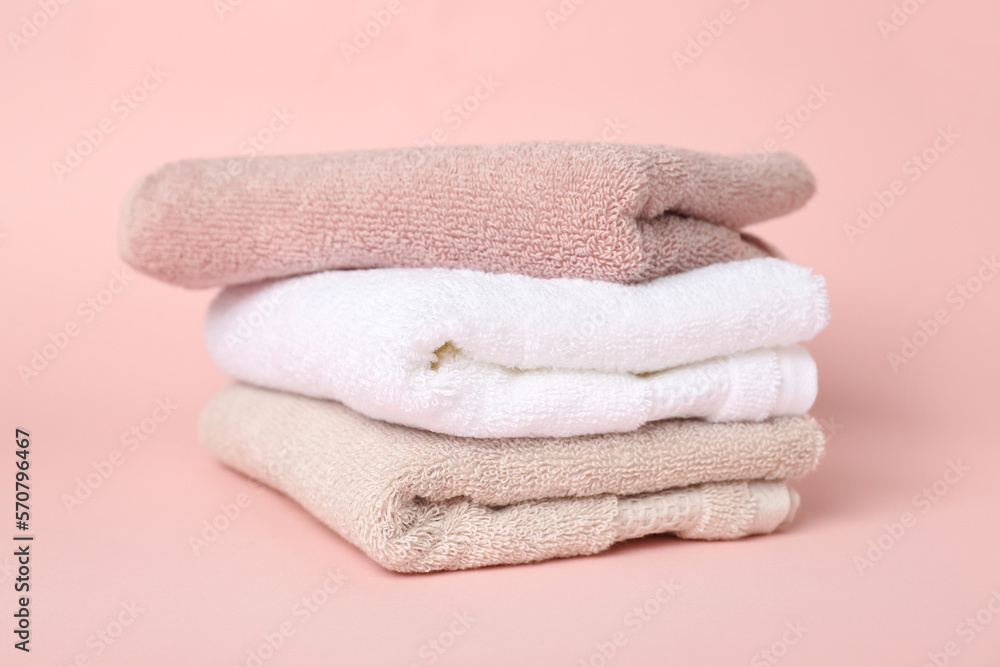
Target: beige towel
417,501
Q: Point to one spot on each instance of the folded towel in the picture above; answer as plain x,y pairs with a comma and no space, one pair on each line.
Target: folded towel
416,501
503,355
600,211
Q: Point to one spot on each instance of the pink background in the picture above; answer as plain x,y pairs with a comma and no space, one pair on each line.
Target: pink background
893,433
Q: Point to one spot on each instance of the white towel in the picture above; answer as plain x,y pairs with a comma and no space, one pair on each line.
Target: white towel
504,355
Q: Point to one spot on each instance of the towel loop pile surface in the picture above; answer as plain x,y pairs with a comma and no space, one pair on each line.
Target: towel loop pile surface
502,355
415,501
610,212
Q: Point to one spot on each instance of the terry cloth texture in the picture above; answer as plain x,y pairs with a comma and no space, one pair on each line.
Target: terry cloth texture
503,355
416,501
613,212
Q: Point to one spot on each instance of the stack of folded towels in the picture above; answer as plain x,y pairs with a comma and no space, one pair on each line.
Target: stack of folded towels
467,356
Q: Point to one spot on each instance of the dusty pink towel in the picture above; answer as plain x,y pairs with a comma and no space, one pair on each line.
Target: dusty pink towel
600,211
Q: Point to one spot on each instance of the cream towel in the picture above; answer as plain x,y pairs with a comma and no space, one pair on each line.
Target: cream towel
504,355
416,501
